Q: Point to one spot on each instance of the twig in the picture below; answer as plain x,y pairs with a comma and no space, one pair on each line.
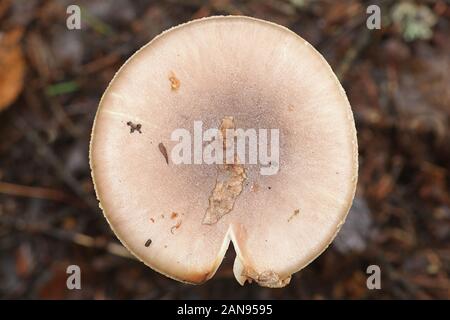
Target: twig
46,152
352,54
13,189
73,237
64,119
100,63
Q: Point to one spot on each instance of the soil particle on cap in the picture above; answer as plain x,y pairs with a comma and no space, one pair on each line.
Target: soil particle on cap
174,82
296,212
152,220
134,127
229,182
163,151
173,215
148,243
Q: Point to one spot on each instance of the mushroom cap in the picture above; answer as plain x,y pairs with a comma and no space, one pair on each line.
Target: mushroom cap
263,76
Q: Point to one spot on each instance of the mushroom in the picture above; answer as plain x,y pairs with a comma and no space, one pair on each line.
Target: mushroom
225,73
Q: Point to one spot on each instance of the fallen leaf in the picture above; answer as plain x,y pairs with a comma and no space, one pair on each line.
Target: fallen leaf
12,66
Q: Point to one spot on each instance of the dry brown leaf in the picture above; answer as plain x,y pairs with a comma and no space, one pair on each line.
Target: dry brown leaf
12,67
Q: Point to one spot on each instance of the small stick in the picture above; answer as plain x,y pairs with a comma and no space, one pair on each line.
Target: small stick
13,189
46,152
73,237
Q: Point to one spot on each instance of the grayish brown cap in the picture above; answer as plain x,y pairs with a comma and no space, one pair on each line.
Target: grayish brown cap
263,76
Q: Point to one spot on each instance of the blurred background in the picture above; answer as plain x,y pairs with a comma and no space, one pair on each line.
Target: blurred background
398,83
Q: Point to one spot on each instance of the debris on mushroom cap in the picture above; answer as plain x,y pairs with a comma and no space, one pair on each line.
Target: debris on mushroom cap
272,280
176,226
229,182
163,151
243,73
134,127
174,82
296,212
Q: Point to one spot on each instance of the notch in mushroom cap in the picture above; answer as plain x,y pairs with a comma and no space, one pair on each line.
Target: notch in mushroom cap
229,73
